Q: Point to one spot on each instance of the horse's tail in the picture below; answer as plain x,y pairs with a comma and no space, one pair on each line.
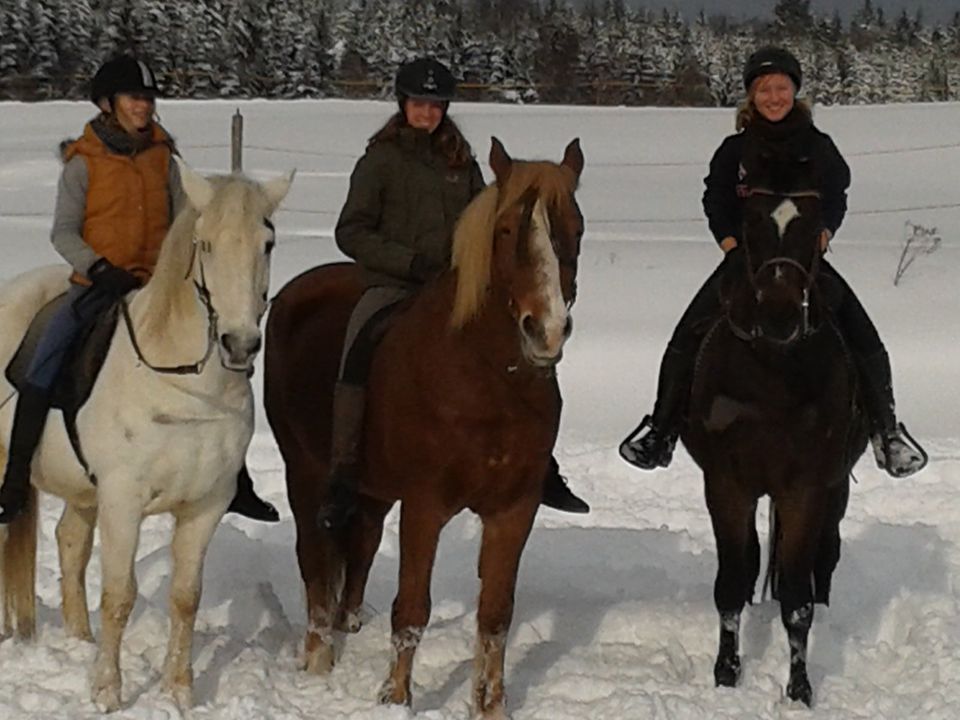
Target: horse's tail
771,578
18,571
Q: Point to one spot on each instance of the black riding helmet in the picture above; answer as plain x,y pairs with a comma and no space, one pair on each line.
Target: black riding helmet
768,60
123,74
425,79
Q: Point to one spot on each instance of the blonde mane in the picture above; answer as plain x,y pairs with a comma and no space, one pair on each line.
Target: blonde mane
473,235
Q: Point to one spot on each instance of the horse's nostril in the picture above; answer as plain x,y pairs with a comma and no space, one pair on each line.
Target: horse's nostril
568,327
255,347
529,325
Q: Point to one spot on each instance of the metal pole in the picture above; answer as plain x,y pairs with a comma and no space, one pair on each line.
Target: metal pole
236,142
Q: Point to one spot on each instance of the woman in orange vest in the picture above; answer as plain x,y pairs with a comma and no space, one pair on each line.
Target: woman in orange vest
118,194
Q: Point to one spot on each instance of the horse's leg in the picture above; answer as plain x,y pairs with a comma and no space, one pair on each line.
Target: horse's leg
419,532
320,558
801,517
504,537
828,553
119,534
732,515
75,543
191,537
366,530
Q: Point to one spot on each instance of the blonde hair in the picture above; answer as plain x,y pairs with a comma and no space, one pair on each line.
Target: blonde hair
747,109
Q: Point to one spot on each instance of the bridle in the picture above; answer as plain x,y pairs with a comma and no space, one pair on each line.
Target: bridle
809,279
199,247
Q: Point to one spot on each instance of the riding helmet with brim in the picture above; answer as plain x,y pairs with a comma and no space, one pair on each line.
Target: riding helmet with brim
124,74
425,79
769,60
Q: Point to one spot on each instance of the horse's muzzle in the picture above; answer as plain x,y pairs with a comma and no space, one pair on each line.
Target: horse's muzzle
238,351
540,347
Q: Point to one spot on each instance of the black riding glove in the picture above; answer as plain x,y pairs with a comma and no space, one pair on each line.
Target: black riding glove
111,279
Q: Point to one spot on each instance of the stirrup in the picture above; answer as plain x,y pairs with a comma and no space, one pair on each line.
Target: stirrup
882,453
665,444
626,449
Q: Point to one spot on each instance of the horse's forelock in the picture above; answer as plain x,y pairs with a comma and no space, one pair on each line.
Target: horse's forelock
473,235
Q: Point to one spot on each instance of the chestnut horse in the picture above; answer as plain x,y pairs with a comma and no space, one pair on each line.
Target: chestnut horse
774,412
462,412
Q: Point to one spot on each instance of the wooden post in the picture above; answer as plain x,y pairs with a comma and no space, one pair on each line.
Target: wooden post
236,142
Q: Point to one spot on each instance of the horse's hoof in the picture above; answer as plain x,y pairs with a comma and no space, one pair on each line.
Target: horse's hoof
496,713
83,634
319,661
106,697
350,622
182,696
726,672
390,694
799,687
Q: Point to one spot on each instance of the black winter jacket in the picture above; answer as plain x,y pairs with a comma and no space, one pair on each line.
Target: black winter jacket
728,179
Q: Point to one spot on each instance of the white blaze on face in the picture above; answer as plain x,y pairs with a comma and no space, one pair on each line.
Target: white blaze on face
784,214
548,267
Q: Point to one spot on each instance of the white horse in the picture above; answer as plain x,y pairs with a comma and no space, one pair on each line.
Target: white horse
154,440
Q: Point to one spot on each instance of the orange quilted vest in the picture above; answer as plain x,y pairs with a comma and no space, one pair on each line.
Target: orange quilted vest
128,204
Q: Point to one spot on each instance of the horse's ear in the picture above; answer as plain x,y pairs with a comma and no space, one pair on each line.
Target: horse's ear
199,190
573,157
500,162
278,188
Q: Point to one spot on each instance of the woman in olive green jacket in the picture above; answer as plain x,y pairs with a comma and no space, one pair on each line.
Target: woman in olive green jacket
406,193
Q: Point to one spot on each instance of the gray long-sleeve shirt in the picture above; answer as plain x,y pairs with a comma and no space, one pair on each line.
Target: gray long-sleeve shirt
70,210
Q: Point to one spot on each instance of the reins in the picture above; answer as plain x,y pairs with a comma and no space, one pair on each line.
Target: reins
203,293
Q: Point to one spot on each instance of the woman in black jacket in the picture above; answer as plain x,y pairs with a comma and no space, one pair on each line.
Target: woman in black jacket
772,120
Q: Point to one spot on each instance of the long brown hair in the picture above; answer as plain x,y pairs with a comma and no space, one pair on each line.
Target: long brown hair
446,139
747,110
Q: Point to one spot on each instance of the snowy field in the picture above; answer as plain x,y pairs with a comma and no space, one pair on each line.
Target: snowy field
614,615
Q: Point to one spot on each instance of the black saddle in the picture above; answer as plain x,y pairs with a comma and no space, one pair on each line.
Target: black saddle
80,369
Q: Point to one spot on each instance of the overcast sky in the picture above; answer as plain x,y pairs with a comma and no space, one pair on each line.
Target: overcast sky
933,10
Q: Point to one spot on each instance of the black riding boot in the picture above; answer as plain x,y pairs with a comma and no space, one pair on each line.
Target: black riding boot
654,448
28,421
893,447
247,503
349,404
558,495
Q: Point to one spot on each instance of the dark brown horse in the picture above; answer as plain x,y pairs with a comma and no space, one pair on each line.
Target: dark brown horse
773,412
463,412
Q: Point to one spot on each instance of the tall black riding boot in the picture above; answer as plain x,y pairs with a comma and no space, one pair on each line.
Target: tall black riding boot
349,404
894,448
247,503
28,421
558,495
654,448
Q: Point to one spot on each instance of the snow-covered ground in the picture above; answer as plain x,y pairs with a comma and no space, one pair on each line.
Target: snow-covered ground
614,615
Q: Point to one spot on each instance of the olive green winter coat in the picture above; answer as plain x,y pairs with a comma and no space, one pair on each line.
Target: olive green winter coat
403,203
